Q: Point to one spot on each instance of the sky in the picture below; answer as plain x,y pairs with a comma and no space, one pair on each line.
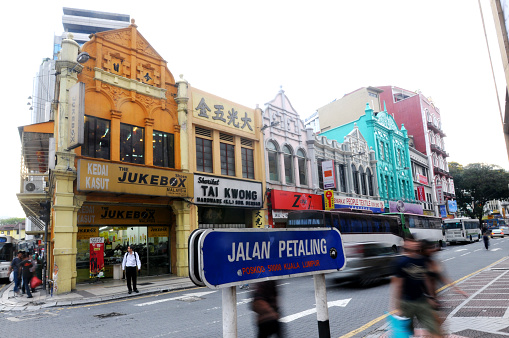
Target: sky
246,51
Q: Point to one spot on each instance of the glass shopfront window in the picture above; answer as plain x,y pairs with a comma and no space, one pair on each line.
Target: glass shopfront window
152,243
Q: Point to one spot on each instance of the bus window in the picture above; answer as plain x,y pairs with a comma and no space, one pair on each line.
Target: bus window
335,221
327,219
356,225
410,221
366,227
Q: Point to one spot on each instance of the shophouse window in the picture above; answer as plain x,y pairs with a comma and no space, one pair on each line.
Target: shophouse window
381,151
97,138
355,179
320,173
227,154
164,149
342,178
399,157
288,161
301,162
363,177
203,150
273,161
370,182
247,158
132,144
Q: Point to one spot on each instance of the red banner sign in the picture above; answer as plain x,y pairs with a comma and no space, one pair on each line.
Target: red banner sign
422,179
421,195
96,257
288,200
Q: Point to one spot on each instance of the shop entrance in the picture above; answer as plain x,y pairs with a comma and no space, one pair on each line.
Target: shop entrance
152,243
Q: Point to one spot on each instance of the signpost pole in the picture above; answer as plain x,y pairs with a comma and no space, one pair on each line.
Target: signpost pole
229,299
322,312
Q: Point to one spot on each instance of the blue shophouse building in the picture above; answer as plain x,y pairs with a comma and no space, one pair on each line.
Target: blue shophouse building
391,150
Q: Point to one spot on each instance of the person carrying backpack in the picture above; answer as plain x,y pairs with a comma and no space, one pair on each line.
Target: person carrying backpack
131,264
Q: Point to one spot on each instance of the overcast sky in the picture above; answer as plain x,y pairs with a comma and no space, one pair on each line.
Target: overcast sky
317,51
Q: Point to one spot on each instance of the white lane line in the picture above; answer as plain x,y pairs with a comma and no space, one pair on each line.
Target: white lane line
290,318
468,253
187,295
460,250
448,259
477,250
496,249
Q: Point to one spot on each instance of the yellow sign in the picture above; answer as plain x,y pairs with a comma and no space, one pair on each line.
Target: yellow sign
223,112
122,215
328,199
87,232
129,179
160,231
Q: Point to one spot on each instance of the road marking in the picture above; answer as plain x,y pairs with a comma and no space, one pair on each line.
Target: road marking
187,295
477,250
290,318
378,319
460,250
496,249
468,253
448,259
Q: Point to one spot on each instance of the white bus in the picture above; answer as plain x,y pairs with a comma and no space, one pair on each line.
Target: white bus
423,227
354,226
462,230
7,247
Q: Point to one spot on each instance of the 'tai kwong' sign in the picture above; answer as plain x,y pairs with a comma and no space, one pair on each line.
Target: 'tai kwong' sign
214,190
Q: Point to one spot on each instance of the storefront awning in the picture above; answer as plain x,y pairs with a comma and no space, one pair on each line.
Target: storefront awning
35,145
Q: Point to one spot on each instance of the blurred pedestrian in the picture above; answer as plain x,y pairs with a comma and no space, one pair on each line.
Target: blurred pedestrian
265,304
486,238
26,265
410,289
33,269
15,267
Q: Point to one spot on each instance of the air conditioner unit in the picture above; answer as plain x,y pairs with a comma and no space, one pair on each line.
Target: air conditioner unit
34,187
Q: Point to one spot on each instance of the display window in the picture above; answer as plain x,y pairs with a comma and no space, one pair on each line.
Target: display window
152,243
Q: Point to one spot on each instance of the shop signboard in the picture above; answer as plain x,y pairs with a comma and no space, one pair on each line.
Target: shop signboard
443,211
400,206
328,199
422,179
359,203
124,215
288,200
109,177
440,194
76,120
452,206
421,195
231,257
329,179
227,192
96,257
158,231
222,112
87,232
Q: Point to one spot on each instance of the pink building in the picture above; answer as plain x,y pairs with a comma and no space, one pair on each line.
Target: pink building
422,120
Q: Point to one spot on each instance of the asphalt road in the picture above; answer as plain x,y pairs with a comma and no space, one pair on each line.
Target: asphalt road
198,313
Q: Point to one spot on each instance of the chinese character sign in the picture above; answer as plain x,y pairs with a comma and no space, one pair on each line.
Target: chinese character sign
421,196
440,194
216,110
96,257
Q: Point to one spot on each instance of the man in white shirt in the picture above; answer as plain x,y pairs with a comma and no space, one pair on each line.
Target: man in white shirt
130,262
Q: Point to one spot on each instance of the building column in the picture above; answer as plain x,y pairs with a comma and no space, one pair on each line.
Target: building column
183,230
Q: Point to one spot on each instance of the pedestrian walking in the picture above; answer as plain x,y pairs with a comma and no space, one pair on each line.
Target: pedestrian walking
15,267
486,238
410,289
131,264
265,304
26,265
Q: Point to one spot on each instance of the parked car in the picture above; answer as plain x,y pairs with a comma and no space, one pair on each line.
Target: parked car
366,263
497,232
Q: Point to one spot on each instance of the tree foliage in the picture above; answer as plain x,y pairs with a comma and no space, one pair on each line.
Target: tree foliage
477,183
12,220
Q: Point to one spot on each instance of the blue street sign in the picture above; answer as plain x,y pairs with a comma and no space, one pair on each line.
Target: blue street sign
443,211
235,256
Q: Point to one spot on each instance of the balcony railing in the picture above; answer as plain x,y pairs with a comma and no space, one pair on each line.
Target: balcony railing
436,129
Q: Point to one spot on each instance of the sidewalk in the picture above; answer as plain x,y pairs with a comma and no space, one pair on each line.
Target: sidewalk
88,293
484,314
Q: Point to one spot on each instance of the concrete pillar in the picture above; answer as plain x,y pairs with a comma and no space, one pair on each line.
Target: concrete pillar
182,230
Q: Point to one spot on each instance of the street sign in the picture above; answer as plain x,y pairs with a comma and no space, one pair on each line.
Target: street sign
232,257
194,257
440,194
328,199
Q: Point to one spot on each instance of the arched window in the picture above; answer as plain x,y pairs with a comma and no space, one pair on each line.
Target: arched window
363,181
342,178
288,162
273,161
370,182
301,163
444,185
431,138
355,176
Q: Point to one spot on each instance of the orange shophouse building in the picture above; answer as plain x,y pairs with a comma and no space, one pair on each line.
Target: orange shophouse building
126,182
